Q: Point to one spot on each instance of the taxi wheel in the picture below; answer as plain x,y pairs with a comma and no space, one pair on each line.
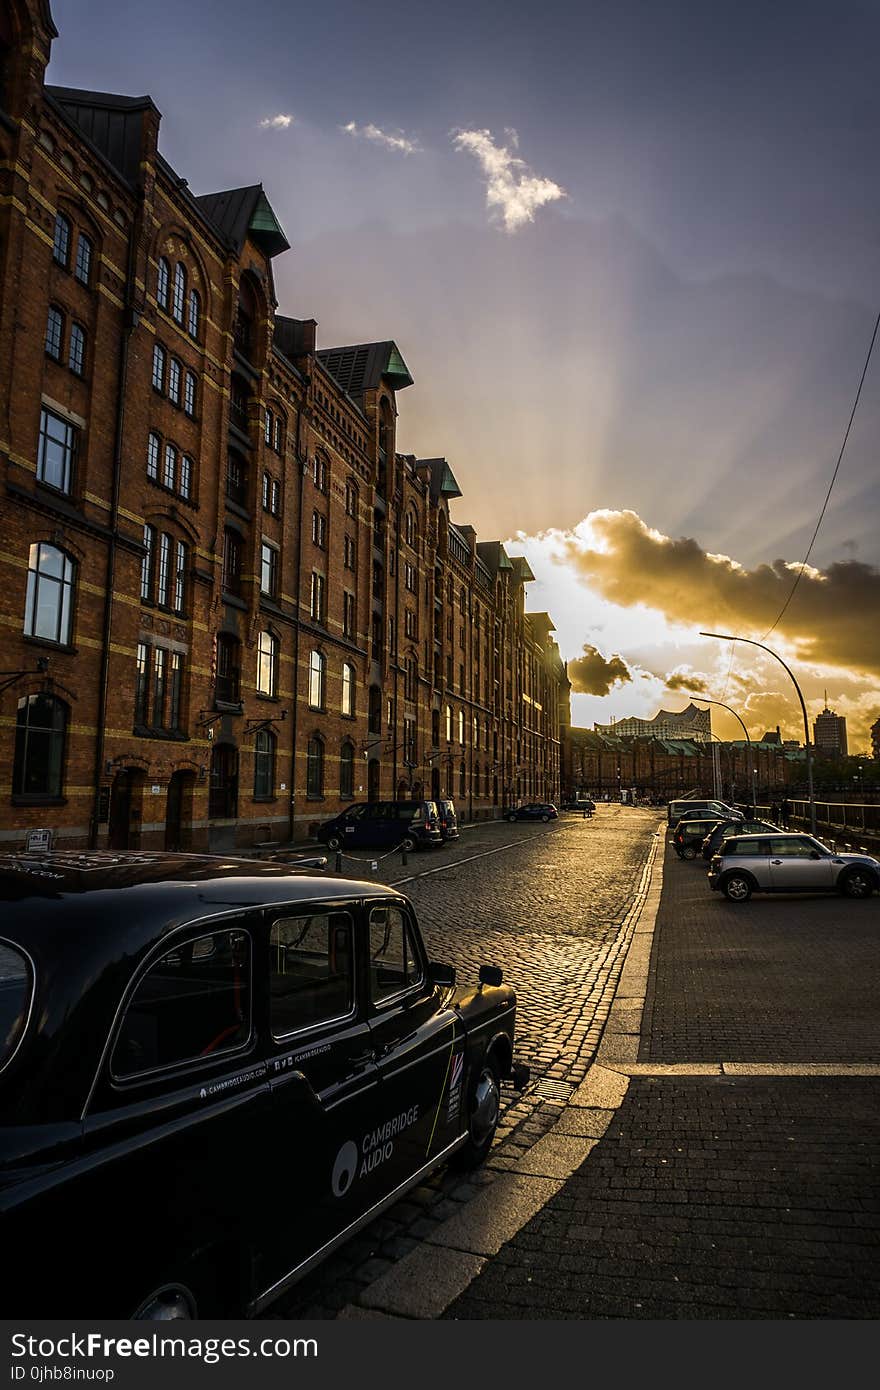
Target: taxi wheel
334,842
484,1108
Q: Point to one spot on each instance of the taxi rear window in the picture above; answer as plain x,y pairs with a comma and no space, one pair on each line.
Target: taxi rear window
16,988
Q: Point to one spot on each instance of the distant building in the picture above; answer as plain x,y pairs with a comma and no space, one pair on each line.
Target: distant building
690,723
829,734
875,739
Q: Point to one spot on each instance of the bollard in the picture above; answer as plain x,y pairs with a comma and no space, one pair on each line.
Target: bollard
338,862
403,858
374,867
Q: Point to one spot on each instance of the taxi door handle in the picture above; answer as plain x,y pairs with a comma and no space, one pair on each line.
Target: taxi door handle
775,861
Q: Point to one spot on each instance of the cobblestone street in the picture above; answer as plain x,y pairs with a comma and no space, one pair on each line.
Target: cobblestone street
548,903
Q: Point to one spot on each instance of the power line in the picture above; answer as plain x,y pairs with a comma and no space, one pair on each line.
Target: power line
830,485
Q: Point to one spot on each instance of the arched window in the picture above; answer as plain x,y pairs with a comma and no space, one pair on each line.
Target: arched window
83,267
76,353
346,771
267,664
179,298
163,284
61,240
351,499
321,473
195,314
317,675
154,446
40,735
175,374
158,367
348,688
265,745
49,604
410,529
315,766
461,726
189,394
54,333
448,723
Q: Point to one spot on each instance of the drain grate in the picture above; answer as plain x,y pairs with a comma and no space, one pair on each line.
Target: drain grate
549,1089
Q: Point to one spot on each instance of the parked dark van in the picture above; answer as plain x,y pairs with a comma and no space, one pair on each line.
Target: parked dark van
448,819
407,824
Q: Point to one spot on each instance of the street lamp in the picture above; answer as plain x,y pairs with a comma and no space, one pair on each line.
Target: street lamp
704,700
728,637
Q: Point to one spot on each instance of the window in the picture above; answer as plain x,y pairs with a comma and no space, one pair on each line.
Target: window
40,735
312,971
275,507
448,723
349,553
186,474
394,960
49,601
76,355
153,447
348,615
195,314
142,685
83,267
461,779
179,577
147,562
175,691
374,710
169,470
266,491
158,367
265,744
233,554
223,791
315,767
409,529
164,579
409,742
267,664
61,240
174,377
163,283
192,1005
236,479
319,530
316,598
189,394
228,688
160,675
409,576
346,771
268,569
57,451
278,439
267,427
411,678
317,672
348,688
351,500
320,473
179,296
410,626
54,333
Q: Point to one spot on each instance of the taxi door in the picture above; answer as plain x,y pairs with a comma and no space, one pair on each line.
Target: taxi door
323,1081
419,1045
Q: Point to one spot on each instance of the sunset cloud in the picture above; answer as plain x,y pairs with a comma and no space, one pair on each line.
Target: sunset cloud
594,674
687,680
279,122
830,622
512,188
397,141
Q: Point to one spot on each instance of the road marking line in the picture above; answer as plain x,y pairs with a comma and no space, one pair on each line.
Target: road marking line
444,868
674,1069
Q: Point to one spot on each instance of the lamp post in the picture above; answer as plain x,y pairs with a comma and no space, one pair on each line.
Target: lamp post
753,771
729,637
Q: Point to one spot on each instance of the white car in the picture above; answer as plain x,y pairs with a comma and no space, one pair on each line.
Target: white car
789,863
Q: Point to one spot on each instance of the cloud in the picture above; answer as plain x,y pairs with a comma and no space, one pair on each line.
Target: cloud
511,187
279,122
687,680
831,621
399,142
594,674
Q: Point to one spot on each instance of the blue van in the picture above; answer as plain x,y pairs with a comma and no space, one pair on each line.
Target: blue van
401,824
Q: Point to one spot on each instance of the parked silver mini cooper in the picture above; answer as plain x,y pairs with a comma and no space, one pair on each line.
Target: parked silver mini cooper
789,863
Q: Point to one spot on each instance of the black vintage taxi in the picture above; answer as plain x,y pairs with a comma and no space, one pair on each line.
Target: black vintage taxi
213,1071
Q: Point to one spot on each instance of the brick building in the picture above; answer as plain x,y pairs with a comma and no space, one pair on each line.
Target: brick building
596,763
229,604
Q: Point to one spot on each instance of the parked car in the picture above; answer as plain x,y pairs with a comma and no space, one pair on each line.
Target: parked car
688,807
405,824
688,836
789,863
535,810
212,1071
584,804
723,829
447,819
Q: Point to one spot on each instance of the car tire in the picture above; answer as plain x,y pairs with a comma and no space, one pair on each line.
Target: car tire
334,842
857,883
511,820
171,1303
738,888
545,819
407,844
484,1109
688,852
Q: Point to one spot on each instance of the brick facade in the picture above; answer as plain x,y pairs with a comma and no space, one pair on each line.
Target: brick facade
229,605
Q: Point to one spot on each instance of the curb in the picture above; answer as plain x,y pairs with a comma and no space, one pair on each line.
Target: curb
425,1282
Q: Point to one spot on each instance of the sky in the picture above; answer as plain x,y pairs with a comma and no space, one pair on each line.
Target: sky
630,252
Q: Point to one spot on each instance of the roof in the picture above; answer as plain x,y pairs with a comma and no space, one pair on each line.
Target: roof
441,478
363,366
494,556
240,213
112,124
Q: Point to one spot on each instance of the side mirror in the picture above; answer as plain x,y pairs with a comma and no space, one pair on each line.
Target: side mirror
440,974
490,975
